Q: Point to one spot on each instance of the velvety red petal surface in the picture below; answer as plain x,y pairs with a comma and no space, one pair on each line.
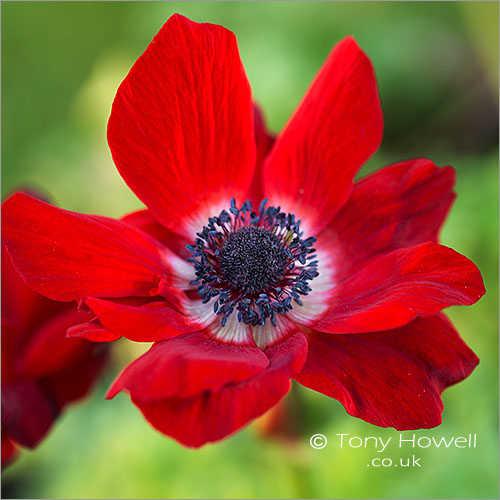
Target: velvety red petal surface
75,380
147,322
264,141
147,222
23,310
27,413
8,351
336,128
41,370
186,366
399,206
393,289
9,449
393,378
48,350
66,255
93,331
19,302
181,126
212,415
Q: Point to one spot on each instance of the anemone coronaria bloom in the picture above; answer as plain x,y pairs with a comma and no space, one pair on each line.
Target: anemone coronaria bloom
42,370
291,270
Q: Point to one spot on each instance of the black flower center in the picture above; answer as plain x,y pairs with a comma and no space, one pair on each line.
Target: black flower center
252,259
255,263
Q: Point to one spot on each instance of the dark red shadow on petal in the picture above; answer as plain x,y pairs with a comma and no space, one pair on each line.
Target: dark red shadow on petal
92,331
264,141
399,206
27,413
48,349
187,365
393,378
42,370
146,221
214,414
9,449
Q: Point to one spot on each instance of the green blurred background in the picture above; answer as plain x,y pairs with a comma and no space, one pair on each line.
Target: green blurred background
437,67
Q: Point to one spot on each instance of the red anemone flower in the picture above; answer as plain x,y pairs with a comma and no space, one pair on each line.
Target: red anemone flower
335,285
42,370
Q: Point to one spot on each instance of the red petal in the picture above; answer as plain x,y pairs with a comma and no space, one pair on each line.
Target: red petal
214,415
22,308
93,331
399,206
76,380
9,449
181,127
10,346
146,221
264,141
65,255
27,414
390,379
49,350
147,322
395,288
186,366
336,128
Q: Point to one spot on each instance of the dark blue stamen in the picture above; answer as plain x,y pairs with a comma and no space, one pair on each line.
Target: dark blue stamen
249,261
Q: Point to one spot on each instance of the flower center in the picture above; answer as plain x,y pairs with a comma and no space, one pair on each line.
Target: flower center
252,259
254,263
